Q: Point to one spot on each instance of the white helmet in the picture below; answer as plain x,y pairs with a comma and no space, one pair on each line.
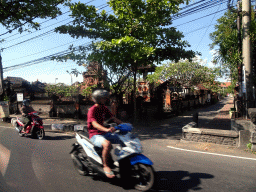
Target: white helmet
99,94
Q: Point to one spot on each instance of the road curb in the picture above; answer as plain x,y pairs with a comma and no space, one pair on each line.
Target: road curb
223,137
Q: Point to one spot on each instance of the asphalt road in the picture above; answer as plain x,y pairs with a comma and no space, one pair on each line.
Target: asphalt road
45,166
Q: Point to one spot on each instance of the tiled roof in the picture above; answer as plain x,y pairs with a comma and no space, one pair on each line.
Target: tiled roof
225,84
201,87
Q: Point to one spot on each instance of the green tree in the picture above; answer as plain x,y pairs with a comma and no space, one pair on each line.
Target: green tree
16,14
185,73
138,33
225,41
88,90
61,89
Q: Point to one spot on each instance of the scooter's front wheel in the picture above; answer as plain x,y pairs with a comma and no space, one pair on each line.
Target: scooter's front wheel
143,177
19,129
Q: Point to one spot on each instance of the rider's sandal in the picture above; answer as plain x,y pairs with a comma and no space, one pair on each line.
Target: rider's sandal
109,174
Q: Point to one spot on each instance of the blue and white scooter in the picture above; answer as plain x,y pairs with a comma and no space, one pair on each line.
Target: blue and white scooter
128,163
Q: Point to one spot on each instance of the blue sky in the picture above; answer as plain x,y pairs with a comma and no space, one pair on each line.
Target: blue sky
195,32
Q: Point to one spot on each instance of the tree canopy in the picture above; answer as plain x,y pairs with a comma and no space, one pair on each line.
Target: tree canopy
185,73
138,33
14,14
225,38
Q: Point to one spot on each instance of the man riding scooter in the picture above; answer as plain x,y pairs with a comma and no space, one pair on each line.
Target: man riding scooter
99,135
25,110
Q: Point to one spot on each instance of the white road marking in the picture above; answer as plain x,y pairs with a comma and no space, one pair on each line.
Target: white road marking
253,159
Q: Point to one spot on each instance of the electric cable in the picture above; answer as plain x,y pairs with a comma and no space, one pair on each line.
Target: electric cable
34,31
43,33
199,29
202,6
191,5
48,25
206,31
44,50
46,33
64,52
42,59
37,31
201,17
9,31
184,14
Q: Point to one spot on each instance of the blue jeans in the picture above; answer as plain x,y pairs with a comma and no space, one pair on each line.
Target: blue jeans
98,140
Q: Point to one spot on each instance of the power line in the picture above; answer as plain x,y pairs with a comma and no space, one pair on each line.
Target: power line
37,31
41,23
47,57
40,60
191,5
199,29
206,31
44,50
9,31
47,49
31,28
51,31
206,6
201,17
43,34
47,21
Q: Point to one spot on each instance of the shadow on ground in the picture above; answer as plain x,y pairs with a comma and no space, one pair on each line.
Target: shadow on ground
164,129
57,137
168,181
177,181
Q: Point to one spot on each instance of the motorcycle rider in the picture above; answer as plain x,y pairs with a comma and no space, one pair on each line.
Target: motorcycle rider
99,135
25,110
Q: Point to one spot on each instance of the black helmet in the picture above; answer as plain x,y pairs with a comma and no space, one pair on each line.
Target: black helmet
99,94
26,102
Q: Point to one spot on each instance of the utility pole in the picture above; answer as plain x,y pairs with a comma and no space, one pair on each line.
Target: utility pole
1,76
239,64
246,53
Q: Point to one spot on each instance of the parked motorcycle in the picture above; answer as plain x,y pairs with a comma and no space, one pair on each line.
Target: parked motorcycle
128,163
35,129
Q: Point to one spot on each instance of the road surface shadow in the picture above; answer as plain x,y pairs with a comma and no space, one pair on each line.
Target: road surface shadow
167,129
57,137
179,181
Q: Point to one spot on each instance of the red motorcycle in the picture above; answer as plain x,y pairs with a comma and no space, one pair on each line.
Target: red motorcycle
35,129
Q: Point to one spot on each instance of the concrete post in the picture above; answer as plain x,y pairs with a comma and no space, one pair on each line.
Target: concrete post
1,76
246,52
195,118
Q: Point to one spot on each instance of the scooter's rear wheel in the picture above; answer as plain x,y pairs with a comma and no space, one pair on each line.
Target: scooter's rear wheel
40,134
143,177
79,166
37,133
